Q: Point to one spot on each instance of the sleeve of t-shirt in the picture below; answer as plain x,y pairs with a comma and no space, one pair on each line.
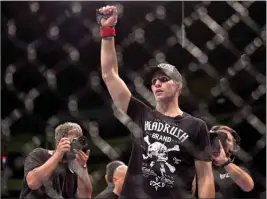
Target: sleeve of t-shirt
33,161
202,144
113,196
110,195
136,109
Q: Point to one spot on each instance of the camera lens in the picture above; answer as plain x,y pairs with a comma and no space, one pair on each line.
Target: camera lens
83,140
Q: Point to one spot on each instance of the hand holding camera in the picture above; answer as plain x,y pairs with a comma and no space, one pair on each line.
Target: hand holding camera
82,157
76,145
219,158
63,147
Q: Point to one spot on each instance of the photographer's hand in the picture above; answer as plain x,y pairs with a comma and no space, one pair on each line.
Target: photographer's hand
219,158
82,157
62,147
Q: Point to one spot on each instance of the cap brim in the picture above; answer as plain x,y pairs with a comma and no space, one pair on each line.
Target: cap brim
150,74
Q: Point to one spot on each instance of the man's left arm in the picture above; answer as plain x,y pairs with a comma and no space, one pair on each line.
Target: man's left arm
240,177
84,189
203,165
84,186
205,180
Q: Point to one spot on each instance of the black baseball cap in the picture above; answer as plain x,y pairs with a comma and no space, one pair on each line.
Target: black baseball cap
170,70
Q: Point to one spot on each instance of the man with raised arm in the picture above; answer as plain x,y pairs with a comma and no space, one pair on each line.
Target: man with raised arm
172,146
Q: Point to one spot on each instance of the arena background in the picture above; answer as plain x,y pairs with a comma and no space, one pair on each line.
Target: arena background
50,74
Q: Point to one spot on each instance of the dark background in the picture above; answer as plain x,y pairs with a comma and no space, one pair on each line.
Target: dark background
226,89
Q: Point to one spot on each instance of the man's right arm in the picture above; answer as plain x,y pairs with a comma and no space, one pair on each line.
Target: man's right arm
203,165
118,90
35,174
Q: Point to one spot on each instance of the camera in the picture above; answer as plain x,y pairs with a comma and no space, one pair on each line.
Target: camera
215,137
79,144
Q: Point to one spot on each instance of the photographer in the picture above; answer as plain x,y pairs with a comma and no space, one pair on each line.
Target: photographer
229,178
61,173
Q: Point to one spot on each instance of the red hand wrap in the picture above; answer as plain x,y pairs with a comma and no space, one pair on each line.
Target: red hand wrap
107,31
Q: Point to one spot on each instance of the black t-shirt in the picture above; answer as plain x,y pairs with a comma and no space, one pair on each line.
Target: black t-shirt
225,187
164,148
62,179
107,193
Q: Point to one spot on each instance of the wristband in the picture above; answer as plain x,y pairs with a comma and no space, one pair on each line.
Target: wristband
107,32
226,163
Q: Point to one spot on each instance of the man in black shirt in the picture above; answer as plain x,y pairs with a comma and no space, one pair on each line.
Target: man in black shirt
110,171
169,145
118,180
229,178
48,175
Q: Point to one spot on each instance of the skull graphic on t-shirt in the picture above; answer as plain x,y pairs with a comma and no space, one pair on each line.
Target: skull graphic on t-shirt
158,153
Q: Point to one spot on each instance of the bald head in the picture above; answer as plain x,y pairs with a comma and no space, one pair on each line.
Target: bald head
120,171
118,178
110,169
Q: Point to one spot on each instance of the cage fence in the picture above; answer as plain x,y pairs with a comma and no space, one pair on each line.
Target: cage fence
51,73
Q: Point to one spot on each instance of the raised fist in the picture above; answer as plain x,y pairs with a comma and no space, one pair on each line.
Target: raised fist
107,16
